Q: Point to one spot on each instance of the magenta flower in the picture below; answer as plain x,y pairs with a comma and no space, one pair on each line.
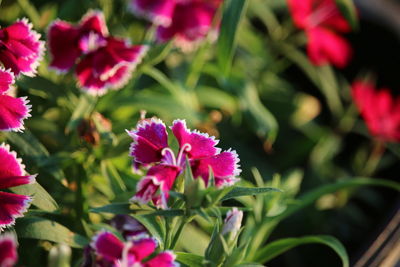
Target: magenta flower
188,21
8,250
150,149
323,24
103,62
13,110
20,48
380,110
111,251
12,173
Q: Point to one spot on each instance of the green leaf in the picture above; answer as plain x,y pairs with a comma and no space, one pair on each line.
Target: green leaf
234,10
155,225
262,119
42,229
278,247
349,11
84,107
189,259
248,191
41,198
314,195
115,208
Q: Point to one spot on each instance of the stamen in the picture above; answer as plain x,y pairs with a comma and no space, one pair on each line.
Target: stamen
185,148
125,251
169,156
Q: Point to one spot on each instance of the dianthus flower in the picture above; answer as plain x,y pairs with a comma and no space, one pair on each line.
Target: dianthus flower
103,61
188,21
380,110
13,110
128,226
12,173
8,250
150,149
110,251
20,48
323,23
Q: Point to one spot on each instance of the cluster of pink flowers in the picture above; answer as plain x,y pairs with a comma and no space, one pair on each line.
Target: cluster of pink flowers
111,251
188,22
323,23
102,61
150,149
380,110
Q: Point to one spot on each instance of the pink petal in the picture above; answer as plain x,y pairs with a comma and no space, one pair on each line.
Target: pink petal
11,165
23,49
224,166
158,11
300,11
11,181
159,178
150,138
94,21
191,23
110,66
108,246
13,111
143,248
164,259
63,45
202,145
6,80
326,47
8,250
12,206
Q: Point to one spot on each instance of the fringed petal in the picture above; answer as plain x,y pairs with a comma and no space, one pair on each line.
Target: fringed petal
13,112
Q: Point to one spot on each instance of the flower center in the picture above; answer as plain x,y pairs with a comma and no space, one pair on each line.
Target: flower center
91,42
169,156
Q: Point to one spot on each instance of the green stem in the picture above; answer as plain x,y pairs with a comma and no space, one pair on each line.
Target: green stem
31,11
374,158
178,233
162,79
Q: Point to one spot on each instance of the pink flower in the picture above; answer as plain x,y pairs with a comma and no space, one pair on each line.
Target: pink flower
380,110
323,23
8,250
12,173
103,62
150,148
188,21
13,111
20,48
111,251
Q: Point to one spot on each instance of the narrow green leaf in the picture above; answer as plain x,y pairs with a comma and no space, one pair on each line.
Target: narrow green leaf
234,10
278,247
349,11
42,229
85,106
262,119
154,224
189,259
41,198
314,195
115,208
248,191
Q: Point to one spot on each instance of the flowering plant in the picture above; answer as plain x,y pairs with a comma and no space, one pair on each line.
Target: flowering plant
140,110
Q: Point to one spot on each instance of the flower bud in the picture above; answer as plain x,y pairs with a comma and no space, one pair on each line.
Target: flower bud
233,222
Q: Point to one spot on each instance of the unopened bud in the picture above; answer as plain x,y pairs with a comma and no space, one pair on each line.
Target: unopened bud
233,222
